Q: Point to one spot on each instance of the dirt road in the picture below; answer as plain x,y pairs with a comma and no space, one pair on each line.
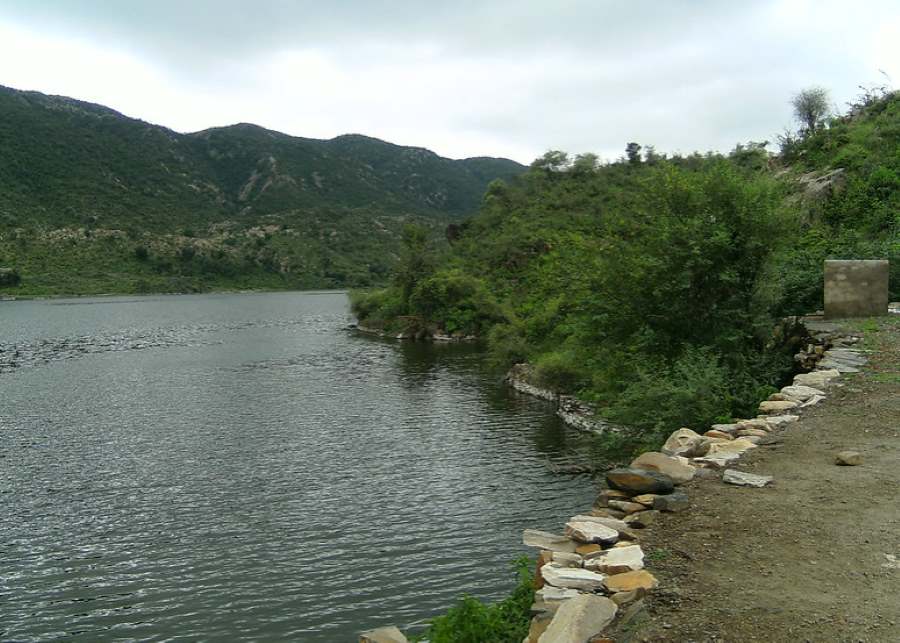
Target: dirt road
813,557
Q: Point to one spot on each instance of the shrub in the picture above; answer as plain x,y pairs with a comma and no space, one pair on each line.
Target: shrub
471,621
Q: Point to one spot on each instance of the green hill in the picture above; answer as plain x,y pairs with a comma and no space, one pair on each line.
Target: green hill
91,200
650,287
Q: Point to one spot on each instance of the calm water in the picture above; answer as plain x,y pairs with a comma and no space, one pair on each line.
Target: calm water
241,467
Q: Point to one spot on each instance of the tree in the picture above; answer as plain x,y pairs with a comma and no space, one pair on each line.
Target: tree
551,162
416,261
585,164
633,152
811,107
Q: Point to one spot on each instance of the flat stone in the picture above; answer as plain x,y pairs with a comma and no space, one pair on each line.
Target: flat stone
802,393
641,519
816,379
673,502
759,433
571,578
565,559
591,532
848,458
545,540
627,507
780,421
743,479
630,581
730,429
755,439
713,433
389,634
677,470
618,560
549,594
685,442
607,512
645,499
639,481
776,408
840,367
724,452
580,619
613,523
782,397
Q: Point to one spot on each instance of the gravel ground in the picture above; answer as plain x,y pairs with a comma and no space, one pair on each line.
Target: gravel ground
813,557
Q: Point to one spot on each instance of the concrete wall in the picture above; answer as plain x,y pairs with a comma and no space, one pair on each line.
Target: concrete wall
856,288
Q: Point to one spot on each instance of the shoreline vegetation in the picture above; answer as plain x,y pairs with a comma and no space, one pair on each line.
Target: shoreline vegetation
663,292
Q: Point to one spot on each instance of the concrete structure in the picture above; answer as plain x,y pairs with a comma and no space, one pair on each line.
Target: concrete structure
856,288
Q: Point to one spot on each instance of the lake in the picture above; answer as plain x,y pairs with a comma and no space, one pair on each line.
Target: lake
244,467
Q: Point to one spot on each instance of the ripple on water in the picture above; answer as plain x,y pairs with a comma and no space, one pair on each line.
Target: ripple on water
240,467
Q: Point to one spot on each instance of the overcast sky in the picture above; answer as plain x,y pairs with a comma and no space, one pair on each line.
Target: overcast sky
501,78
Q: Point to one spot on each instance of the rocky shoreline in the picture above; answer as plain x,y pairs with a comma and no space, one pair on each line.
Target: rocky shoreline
433,336
591,578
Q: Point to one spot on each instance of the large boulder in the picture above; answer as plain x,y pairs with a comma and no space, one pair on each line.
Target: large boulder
638,481
687,443
580,619
677,469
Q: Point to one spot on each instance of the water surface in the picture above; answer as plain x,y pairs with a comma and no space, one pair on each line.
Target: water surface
241,467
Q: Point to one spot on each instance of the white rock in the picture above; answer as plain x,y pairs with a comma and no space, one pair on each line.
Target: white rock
840,367
618,560
551,593
572,578
743,479
580,619
802,393
591,532
545,540
612,523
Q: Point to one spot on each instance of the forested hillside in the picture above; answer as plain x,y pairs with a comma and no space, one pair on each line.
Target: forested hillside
91,200
651,286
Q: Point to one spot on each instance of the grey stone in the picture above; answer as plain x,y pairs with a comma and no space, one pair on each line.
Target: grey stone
742,479
617,560
848,458
638,481
548,541
817,379
673,502
550,594
641,519
580,619
565,559
802,393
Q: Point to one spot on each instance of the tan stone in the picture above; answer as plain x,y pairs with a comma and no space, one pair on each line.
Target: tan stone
685,442
755,423
610,494
606,512
580,619
629,581
624,598
545,557
545,540
641,519
677,470
712,433
539,625
588,550
591,532
646,499
776,408
618,560
759,433
565,559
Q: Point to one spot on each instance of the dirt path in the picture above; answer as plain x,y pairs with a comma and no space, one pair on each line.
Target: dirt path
808,558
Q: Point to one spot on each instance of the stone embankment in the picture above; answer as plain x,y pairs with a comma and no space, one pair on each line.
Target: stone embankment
592,577
570,409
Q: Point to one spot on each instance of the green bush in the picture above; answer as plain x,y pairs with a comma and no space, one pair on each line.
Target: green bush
456,301
471,621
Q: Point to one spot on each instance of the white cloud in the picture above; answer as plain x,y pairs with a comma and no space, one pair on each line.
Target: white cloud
472,78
